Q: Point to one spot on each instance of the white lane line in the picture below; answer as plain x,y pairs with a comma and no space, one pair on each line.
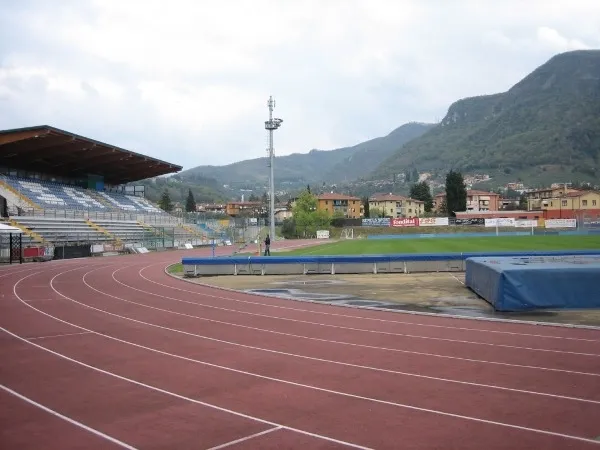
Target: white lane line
13,272
400,322
463,283
65,418
387,333
58,335
173,394
244,439
294,355
281,333
358,397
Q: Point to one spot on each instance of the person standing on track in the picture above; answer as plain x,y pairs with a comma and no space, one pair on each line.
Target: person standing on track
267,246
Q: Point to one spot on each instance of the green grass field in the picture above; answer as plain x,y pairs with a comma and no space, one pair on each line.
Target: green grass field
448,245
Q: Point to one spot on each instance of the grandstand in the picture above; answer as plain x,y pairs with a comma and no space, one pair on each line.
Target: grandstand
62,189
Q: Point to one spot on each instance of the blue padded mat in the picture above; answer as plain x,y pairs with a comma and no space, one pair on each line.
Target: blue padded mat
536,282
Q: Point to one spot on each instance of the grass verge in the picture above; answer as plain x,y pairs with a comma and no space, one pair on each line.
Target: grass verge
175,268
451,245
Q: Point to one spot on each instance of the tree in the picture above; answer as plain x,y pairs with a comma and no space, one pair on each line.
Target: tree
415,175
456,193
253,198
523,203
190,203
307,218
165,202
288,228
365,201
421,191
443,209
376,213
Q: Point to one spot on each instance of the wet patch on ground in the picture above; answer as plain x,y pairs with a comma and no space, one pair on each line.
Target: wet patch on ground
443,293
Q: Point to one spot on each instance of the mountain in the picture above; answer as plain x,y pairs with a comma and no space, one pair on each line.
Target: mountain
547,122
315,166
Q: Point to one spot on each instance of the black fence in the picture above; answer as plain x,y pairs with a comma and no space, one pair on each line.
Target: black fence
72,251
343,222
11,248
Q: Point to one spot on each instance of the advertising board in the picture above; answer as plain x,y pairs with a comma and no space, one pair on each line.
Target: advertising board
376,222
476,221
433,221
405,222
561,223
500,222
526,223
322,234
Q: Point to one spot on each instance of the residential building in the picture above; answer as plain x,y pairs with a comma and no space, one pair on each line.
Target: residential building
538,199
476,201
397,205
211,208
508,203
246,208
581,205
340,204
281,214
572,205
515,186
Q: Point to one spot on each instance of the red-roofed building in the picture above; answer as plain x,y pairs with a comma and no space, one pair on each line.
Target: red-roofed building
572,205
336,204
234,209
393,205
476,201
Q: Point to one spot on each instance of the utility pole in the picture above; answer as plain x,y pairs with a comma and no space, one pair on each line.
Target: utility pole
271,125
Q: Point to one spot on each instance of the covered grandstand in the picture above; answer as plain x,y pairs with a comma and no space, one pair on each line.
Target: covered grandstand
72,196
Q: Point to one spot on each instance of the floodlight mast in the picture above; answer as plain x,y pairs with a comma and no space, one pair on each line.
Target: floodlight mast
271,125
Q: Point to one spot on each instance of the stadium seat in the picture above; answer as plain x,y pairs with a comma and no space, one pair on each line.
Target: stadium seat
50,195
53,195
130,202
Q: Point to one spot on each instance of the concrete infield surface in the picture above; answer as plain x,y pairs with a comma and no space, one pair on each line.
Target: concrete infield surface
442,293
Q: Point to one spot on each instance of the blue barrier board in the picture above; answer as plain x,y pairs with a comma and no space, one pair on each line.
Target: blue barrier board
536,282
240,260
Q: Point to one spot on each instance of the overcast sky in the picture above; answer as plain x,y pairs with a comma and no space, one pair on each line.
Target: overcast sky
188,81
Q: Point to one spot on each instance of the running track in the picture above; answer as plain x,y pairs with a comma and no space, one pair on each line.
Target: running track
113,353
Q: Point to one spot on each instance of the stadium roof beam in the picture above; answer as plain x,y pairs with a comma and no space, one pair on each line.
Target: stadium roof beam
40,148
41,142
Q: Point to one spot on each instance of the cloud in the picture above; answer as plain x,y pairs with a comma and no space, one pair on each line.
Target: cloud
188,81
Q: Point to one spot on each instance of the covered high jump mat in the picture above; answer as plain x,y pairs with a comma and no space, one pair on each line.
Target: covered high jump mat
536,282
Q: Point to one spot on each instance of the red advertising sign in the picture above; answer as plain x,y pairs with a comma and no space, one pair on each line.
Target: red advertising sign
401,222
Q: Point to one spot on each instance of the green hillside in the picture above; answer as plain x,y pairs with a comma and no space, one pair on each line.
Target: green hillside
315,166
548,122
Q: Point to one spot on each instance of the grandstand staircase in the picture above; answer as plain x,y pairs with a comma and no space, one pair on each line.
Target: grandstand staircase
193,231
104,231
149,228
14,197
100,199
35,237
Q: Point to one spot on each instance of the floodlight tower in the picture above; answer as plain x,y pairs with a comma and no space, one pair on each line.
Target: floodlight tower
271,125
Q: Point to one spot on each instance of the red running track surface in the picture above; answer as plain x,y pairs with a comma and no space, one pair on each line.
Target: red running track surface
114,353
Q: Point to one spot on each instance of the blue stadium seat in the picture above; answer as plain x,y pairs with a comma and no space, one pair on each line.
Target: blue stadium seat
49,195
130,202
52,195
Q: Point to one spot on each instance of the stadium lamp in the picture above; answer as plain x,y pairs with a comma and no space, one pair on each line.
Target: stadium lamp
271,125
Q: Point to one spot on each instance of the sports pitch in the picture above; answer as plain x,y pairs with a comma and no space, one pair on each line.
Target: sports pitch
451,245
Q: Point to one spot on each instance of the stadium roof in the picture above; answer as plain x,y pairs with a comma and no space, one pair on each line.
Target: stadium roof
50,150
